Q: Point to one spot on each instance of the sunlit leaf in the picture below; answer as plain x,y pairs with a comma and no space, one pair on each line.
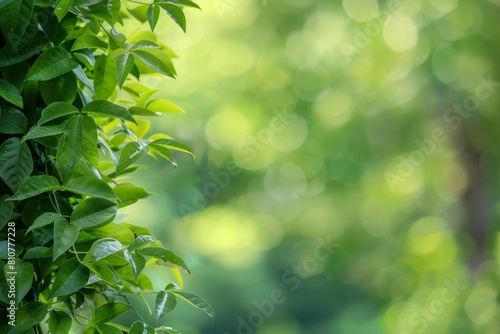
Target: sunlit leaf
165,302
140,327
124,64
196,301
153,15
175,13
136,261
132,152
103,248
164,255
156,59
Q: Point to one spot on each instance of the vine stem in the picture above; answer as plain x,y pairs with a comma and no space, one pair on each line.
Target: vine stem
140,316
57,203
76,253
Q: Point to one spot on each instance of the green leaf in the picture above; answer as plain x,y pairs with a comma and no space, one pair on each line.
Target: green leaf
16,163
44,219
128,194
19,15
172,145
165,302
164,106
12,121
140,111
4,3
59,322
79,140
85,3
136,261
35,185
61,9
10,56
71,277
86,169
56,110
43,131
104,78
60,89
113,7
65,236
89,42
116,39
166,330
82,77
90,186
52,63
144,44
175,13
140,327
180,2
196,301
108,109
103,248
27,316
6,209
93,212
109,311
132,152
165,256
140,241
172,286
24,278
109,329
105,271
111,153
156,59
10,93
118,231
153,15
124,64
163,152
38,253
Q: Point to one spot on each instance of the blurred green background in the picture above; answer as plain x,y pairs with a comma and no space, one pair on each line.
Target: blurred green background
367,126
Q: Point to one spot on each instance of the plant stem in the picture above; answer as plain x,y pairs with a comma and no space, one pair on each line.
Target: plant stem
140,316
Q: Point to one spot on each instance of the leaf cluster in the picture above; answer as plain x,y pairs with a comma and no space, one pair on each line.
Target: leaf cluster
74,120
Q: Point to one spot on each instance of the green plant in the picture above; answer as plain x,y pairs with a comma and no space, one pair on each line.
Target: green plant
73,121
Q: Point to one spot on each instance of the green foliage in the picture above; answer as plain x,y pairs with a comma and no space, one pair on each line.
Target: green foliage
71,124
